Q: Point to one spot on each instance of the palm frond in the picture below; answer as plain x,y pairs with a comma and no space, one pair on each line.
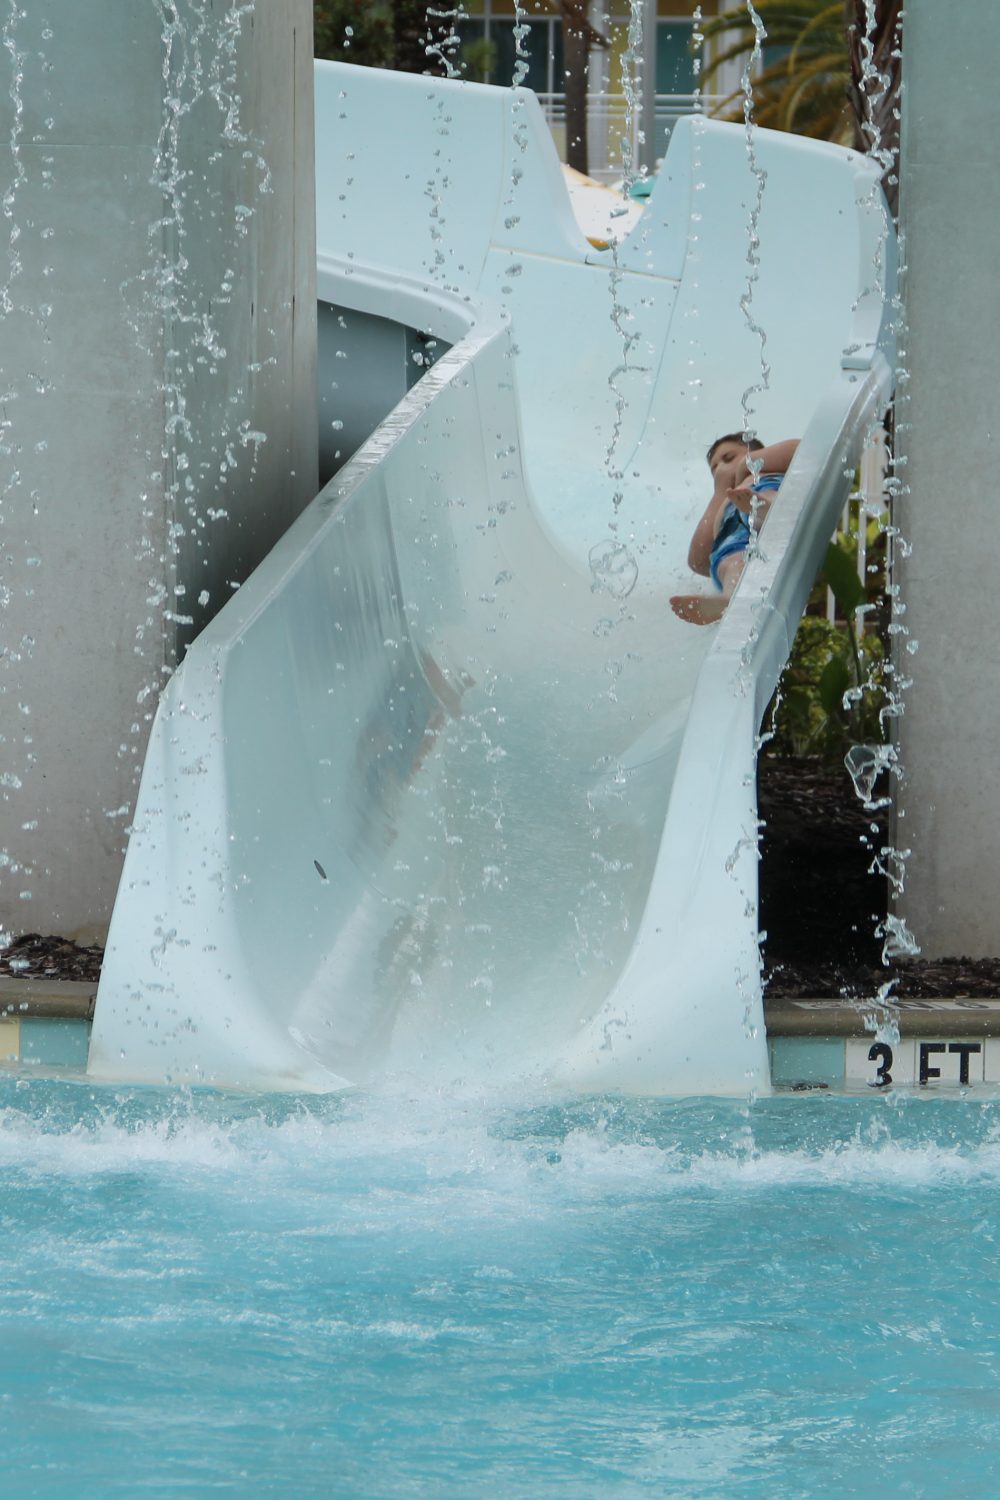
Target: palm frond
823,62
738,49
809,107
772,12
767,109
806,90
831,20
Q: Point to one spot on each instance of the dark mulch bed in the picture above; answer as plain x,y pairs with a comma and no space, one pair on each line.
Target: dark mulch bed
819,902
36,957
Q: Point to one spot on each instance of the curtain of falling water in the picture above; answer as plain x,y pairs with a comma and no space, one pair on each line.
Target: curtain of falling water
613,565
759,386
751,63
193,282
444,41
871,762
136,400
16,736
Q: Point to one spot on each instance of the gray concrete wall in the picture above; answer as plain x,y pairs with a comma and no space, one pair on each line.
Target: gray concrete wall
157,314
949,804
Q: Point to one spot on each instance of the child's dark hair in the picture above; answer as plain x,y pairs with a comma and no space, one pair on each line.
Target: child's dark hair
734,437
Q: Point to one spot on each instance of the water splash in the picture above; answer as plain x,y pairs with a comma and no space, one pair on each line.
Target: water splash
444,41
899,941
522,31
13,741
698,50
632,136
201,61
8,203
866,763
613,566
613,569
753,251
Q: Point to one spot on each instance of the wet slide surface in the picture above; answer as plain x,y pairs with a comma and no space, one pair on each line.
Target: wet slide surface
446,791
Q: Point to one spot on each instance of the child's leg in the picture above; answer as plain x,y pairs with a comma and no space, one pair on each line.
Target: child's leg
730,573
704,609
698,609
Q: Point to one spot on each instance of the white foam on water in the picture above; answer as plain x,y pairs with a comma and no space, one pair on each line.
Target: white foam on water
106,1144
395,1148
474,1296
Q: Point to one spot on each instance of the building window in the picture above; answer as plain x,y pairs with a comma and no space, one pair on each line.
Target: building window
541,44
674,58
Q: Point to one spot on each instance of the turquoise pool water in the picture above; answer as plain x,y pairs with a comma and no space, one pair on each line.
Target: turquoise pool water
385,1296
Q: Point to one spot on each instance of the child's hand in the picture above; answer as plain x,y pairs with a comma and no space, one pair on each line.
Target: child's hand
728,475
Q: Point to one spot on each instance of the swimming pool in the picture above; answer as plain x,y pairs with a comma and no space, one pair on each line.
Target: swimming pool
380,1296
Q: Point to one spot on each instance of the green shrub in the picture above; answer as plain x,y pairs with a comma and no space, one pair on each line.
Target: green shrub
479,59
821,708
358,31
834,686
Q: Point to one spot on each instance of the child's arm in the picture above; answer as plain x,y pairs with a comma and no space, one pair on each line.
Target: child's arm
732,482
773,459
743,498
700,549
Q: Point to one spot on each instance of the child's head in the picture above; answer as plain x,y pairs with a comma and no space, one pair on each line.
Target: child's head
728,448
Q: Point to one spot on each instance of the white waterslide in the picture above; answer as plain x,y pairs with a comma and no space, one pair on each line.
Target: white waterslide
446,790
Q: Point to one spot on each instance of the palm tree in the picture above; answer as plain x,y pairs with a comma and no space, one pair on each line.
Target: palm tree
837,77
874,42
805,90
579,36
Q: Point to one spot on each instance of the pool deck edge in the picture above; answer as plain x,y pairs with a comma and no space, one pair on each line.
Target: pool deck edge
47,999
823,1043
965,1015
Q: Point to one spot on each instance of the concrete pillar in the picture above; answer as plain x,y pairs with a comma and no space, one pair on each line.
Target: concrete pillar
157,390
949,802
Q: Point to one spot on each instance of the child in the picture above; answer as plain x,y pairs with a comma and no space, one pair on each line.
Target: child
738,505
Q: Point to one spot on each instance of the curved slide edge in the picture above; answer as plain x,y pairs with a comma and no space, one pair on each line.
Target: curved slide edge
181,998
